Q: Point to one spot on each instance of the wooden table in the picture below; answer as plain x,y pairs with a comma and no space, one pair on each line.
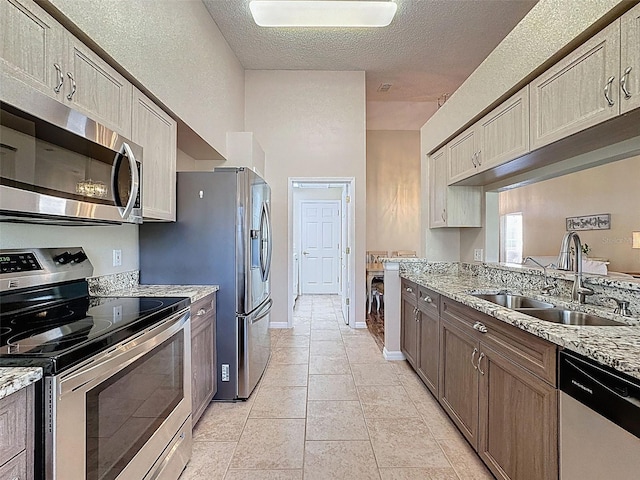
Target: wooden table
373,270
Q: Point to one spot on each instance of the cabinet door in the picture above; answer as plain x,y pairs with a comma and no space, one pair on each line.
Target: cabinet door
32,43
630,60
203,367
518,421
409,332
570,96
428,349
438,189
503,134
463,152
459,379
96,89
156,132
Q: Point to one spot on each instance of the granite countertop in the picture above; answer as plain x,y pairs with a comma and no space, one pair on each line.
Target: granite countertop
614,346
194,292
13,379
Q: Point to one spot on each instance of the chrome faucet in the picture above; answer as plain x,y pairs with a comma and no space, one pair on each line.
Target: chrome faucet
579,291
547,287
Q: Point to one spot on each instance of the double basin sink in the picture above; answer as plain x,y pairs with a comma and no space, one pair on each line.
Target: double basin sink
545,311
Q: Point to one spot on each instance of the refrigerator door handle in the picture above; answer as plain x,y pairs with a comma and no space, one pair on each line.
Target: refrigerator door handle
265,241
263,314
253,316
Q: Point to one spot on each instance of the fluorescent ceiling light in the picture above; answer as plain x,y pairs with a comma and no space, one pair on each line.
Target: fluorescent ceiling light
322,13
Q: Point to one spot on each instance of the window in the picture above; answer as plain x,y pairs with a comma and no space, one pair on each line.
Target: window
511,238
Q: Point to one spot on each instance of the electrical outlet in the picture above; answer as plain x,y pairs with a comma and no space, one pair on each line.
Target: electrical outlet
117,258
477,254
117,313
225,372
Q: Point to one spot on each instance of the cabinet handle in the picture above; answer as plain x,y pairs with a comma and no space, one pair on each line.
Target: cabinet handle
480,327
409,289
473,160
73,86
623,83
444,215
415,314
607,90
478,157
473,354
201,312
479,362
427,299
58,87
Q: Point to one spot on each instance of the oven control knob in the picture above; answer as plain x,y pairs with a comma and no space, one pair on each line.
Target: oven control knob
63,258
79,257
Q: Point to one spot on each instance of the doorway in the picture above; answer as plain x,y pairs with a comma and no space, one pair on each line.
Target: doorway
321,233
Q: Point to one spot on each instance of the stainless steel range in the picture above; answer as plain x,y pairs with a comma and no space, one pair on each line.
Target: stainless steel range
115,401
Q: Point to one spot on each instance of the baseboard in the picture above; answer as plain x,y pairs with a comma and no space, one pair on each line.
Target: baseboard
393,355
361,325
278,325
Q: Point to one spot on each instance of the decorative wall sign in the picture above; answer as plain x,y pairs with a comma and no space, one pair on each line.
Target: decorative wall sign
590,222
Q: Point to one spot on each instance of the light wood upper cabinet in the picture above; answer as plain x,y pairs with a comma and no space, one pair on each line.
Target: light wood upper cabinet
30,46
451,206
579,91
630,60
156,132
39,52
96,89
503,134
463,153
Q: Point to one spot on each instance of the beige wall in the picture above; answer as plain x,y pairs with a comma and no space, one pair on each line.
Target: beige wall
393,190
175,49
310,124
98,242
613,188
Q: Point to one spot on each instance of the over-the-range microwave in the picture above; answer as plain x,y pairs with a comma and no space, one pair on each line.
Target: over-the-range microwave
59,166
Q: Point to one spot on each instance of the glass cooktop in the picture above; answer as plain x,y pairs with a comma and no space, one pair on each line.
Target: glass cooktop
59,334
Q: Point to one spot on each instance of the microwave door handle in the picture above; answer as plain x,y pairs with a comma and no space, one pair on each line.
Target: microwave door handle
135,180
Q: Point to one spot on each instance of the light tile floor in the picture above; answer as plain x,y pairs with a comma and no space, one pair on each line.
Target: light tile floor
329,406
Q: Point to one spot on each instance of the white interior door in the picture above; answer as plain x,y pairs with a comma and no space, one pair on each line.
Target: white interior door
345,249
320,225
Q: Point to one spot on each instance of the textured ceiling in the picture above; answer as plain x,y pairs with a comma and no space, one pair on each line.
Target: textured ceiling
429,49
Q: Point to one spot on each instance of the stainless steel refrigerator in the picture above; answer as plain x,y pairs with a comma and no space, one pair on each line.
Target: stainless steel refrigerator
222,236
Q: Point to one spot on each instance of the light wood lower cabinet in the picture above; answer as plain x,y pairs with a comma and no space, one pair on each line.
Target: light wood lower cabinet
409,322
17,441
428,338
203,355
518,420
508,414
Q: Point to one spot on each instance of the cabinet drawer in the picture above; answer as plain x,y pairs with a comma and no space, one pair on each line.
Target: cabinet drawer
429,302
13,425
409,291
205,307
16,469
525,349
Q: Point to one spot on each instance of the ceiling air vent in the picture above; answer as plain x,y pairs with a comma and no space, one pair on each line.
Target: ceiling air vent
384,87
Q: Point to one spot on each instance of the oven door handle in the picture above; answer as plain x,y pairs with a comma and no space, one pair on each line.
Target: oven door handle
110,362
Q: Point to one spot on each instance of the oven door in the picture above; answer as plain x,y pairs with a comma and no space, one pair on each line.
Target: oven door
124,414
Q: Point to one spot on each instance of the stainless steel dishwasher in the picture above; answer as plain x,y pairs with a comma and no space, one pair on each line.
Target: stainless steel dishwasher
599,421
